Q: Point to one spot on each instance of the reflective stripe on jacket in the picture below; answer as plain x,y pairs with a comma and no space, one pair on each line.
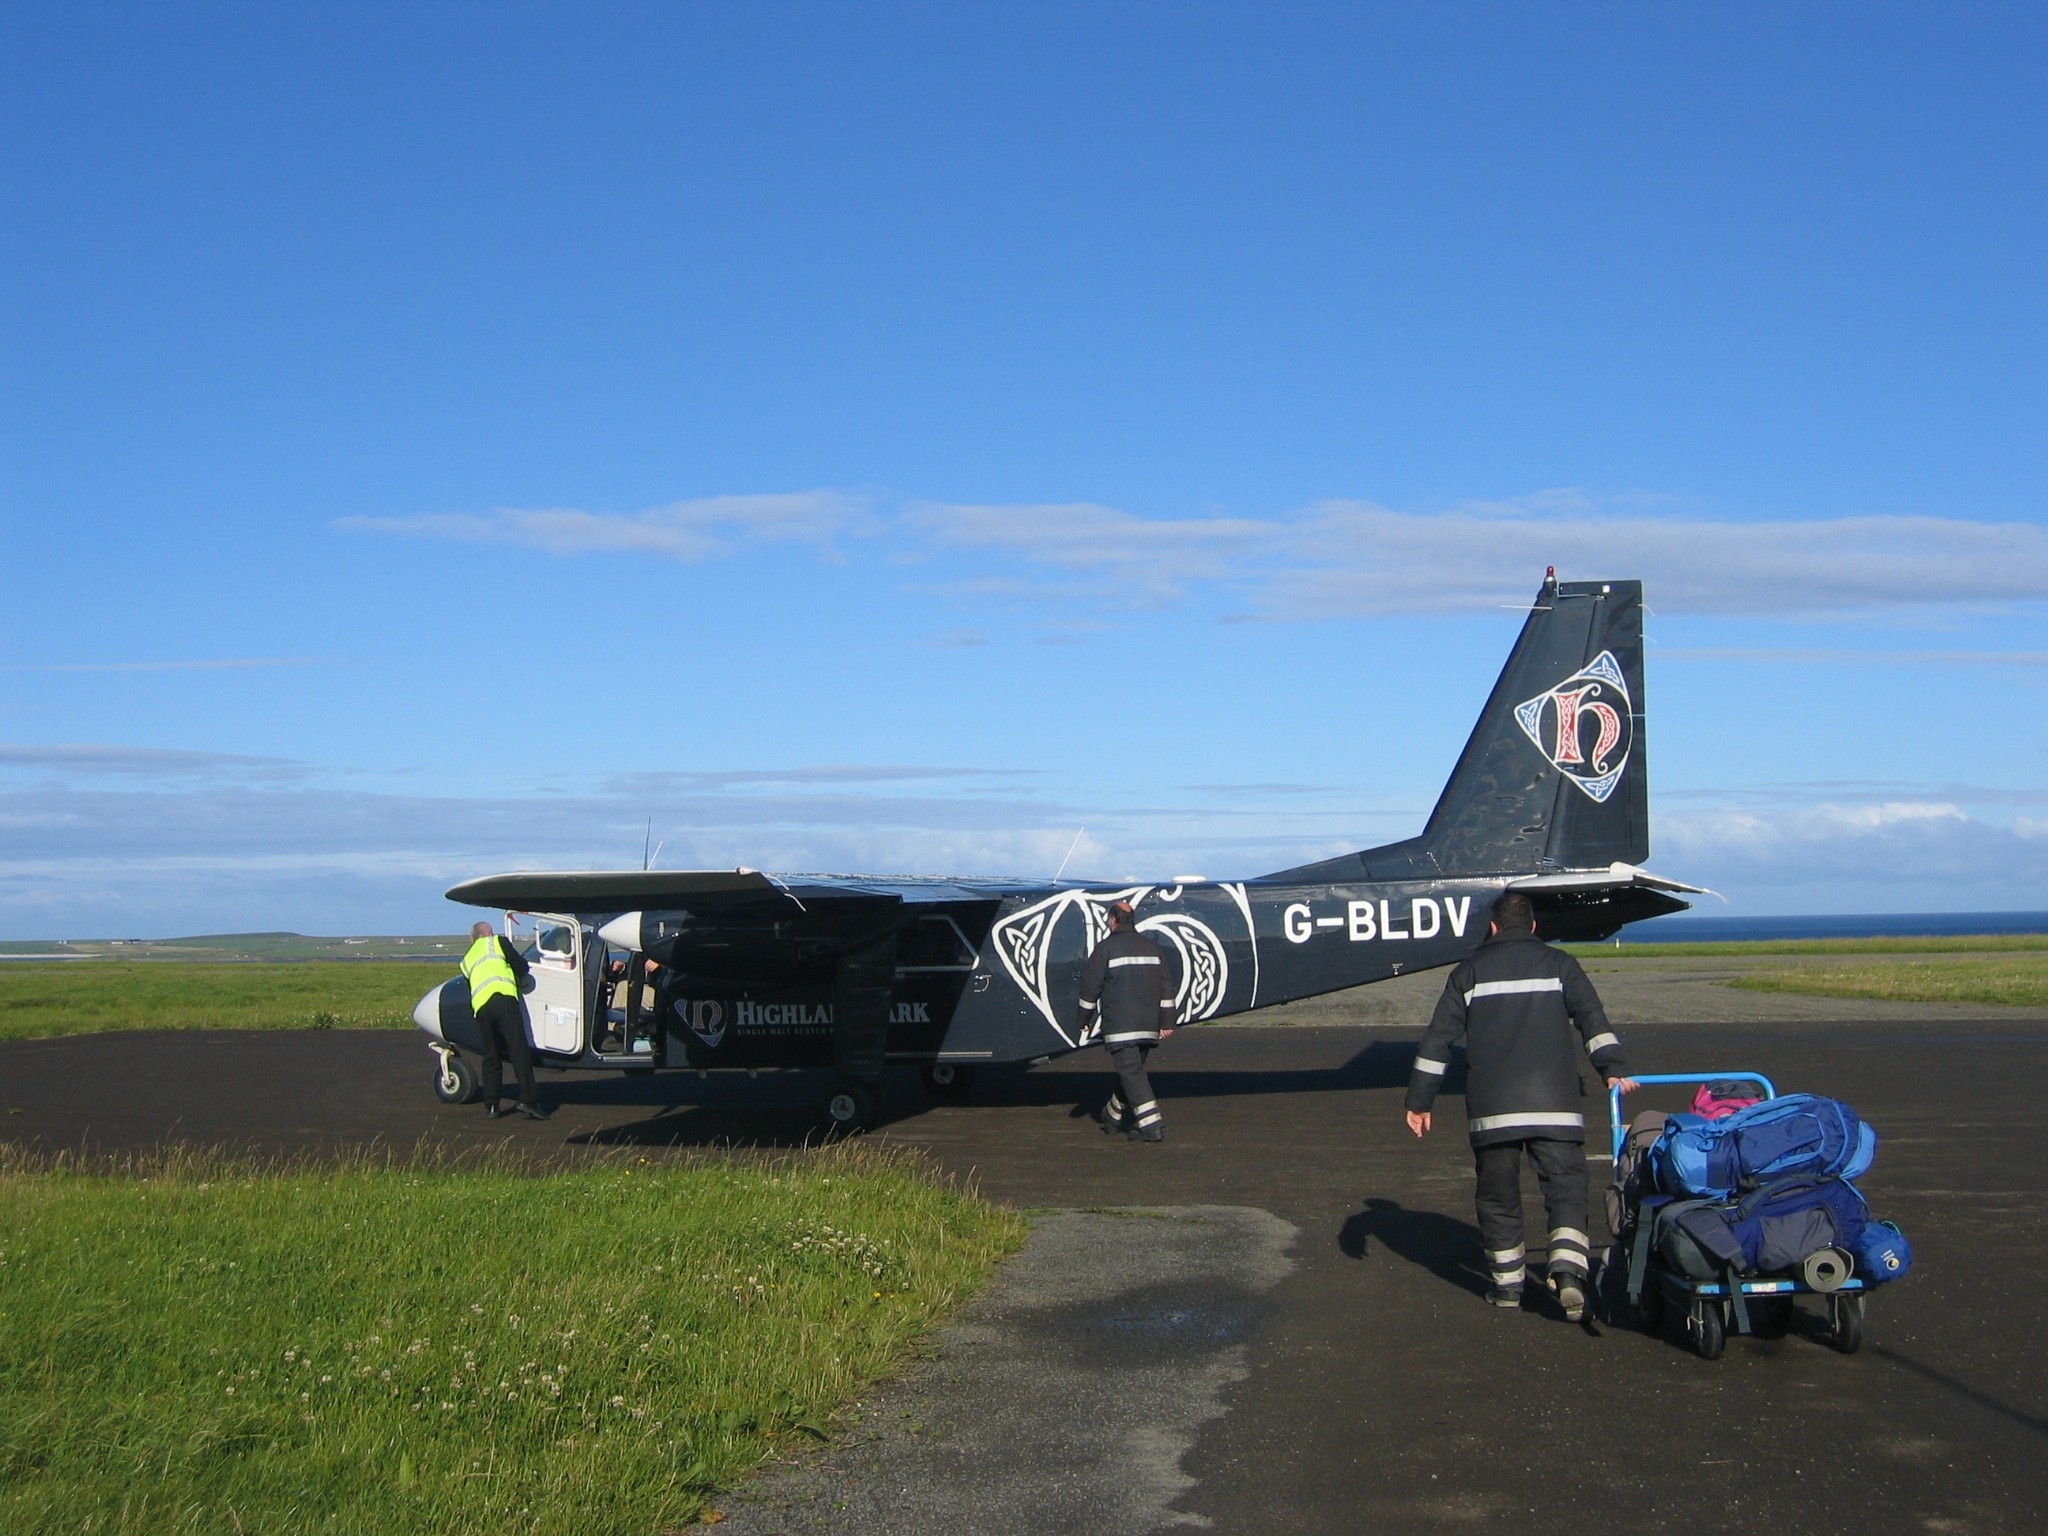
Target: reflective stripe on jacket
1129,986
1523,1011
488,972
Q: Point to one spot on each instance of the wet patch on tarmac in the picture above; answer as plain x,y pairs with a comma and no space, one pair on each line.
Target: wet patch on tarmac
1063,1400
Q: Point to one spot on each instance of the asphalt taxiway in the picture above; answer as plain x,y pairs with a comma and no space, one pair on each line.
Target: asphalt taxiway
1360,1384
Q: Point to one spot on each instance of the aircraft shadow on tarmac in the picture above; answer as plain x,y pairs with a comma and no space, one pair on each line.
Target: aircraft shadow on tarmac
778,1109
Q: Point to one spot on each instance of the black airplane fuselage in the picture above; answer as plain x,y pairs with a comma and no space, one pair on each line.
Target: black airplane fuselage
1549,797
996,978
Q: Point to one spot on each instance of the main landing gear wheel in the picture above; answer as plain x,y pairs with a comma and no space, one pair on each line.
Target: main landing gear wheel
849,1108
1846,1314
1709,1332
455,1080
949,1079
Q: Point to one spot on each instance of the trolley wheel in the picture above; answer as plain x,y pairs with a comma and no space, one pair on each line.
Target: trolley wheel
1709,1332
455,1079
849,1108
1846,1313
949,1079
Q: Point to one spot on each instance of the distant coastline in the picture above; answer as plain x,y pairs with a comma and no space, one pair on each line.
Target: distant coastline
1853,925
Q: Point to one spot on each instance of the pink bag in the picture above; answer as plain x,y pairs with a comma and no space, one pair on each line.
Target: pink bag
1716,1101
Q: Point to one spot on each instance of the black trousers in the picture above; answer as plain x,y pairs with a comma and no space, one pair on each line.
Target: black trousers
1133,1097
502,1022
1561,1171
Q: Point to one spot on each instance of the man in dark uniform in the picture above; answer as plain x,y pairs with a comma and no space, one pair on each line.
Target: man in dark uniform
1515,1005
496,973
1128,988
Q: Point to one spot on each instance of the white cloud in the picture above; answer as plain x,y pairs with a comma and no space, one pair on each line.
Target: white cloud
1811,655
1897,856
689,531
826,773
1350,558
204,851
1873,818
1857,792
1144,559
231,663
84,760
1339,558
1356,558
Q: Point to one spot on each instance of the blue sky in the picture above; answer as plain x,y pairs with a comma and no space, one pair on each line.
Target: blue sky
443,439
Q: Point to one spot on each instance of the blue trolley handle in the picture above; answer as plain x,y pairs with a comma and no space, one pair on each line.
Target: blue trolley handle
1614,1094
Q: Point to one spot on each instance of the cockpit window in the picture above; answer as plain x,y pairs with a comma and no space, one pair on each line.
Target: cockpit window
557,940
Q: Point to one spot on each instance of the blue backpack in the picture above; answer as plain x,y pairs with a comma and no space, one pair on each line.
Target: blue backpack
1770,1231
1787,1219
1800,1133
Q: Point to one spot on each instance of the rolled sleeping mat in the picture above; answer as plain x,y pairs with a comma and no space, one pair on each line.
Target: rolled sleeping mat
1825,1269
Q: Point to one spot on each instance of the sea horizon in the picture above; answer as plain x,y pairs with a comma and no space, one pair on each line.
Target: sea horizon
1693,929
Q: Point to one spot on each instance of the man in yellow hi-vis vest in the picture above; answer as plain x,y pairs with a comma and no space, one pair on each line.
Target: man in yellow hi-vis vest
493,969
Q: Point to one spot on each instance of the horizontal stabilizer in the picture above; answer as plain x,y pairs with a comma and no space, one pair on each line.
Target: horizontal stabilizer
1614,876
1592,904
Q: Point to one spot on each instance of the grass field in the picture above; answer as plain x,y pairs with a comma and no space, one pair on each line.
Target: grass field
197,1347
2018,980
81,997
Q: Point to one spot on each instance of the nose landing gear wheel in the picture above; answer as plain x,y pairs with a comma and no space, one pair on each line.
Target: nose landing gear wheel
949,1079
849,1108
454,1080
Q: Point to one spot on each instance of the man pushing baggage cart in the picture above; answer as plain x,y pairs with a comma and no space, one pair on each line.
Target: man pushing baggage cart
1523,1011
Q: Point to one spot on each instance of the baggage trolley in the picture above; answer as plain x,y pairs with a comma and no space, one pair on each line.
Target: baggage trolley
1713,1309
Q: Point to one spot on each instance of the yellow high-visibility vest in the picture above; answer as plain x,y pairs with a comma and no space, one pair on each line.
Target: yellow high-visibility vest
488,973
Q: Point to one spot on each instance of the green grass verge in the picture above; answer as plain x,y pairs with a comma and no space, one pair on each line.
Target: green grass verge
193,1346
1980,944
2016,981
81,997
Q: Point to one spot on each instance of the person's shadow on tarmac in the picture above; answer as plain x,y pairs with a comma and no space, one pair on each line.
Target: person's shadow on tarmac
1443,1245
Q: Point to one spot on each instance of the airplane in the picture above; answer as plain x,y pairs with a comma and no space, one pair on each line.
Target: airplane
850,972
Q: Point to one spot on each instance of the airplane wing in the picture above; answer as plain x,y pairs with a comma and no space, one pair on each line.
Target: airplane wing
578,891
614,890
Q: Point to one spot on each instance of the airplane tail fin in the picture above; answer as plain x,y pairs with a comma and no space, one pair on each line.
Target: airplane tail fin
1553,776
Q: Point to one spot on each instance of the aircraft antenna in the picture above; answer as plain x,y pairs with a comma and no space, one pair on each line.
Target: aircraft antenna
1070,854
